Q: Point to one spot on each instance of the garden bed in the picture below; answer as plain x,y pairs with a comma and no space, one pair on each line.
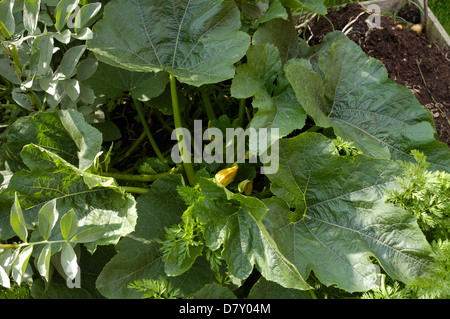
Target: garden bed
421,65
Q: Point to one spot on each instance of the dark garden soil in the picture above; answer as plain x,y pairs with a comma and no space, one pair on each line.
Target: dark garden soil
411,60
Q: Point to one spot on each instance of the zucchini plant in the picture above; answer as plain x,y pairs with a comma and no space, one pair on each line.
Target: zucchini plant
202,227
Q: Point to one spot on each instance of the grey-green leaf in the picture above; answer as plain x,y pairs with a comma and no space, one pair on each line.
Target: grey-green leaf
18,221
86,13
63,37
43,44
89,235
72,88
43,263
6,259
70,60
198,41
21,98
4,278
7,70
69,225
63,10
69,261
83,286
21,263
31,14
7,16
86,68
47,217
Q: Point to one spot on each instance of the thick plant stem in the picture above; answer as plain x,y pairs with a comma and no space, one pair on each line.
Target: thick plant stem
138,107
15,246
313,294
241,112
136,178
133,147
208,106
134,190
9,246
188,168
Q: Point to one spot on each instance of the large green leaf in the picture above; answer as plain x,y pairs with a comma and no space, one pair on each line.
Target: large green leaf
276,104
311,5
160,207
137,260
276,10
258,75
234,222
52,154
139,256
111,82
195,40
282,34
330,216
353,94
96,201
65,133
264,289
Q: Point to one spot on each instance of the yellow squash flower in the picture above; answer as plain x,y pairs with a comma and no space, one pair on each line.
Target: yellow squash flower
227,175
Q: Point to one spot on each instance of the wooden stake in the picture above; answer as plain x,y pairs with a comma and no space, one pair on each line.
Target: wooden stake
426,19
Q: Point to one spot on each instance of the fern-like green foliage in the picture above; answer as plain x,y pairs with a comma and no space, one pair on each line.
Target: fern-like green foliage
185,240
16,292
345,148
390,290
181,239
155,289
190,195
426,195
437,285
434,286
